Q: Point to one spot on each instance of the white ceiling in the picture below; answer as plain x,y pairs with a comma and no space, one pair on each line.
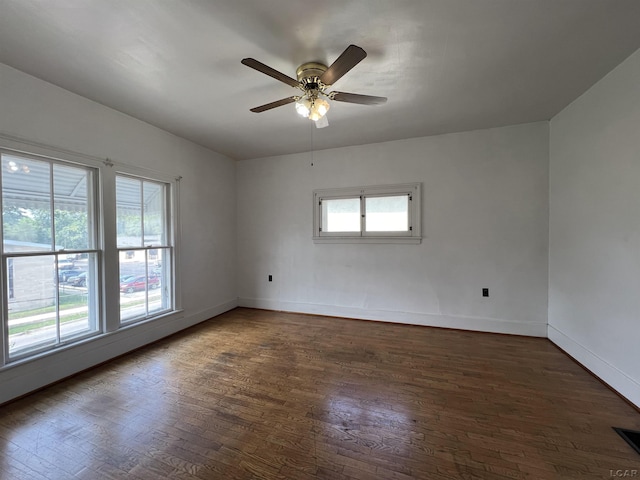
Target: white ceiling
445,65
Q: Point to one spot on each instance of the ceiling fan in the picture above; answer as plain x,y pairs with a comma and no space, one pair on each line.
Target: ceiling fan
314,79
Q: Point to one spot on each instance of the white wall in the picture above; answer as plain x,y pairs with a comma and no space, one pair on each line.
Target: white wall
594,264
485,214
485,224
40,112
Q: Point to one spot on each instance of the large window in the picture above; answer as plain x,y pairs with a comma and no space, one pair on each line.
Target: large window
381,214
49,254
87,249
143,247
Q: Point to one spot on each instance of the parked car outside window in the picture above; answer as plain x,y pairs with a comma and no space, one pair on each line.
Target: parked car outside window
79,280
139,282
66,275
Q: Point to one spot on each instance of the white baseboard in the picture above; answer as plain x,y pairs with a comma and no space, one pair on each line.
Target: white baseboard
531,329
24,377
612,376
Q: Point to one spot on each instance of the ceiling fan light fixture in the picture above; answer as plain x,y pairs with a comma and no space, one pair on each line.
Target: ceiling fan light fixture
312,107
303,107
319,109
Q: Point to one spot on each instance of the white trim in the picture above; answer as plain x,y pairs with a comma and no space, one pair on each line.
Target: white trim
137,173
480,324
176,241
609,374
20,378
35,149
381,239
30,147
414,234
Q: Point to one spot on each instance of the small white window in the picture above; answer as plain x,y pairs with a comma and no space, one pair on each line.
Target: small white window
379,214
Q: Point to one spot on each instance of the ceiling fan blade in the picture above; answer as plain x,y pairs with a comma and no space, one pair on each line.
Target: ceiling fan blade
277,103
267,70
356,98
345,62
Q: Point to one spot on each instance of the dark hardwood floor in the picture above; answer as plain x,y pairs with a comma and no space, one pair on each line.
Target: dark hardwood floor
268,395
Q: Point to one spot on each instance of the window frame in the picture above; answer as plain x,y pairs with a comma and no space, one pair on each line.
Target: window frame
411,236
170,227
105,247
94,248
341,196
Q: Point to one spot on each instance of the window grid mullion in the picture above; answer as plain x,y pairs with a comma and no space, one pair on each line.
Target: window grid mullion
142,212
410,211
363,213
52,222
52,212
146,281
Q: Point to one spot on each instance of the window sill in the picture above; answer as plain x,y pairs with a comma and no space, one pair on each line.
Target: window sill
404,240
86,340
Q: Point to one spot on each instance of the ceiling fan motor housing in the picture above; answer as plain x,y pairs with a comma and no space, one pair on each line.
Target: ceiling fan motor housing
309,75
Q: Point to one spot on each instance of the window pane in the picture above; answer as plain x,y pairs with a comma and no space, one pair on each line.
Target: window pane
133,284
39,319
26,204
144,264
129,212
32,318
154,209
145,283
73,213
159,283
387,214
341,215
78,297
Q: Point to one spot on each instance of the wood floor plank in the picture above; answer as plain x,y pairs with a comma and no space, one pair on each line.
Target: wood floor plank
253,394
